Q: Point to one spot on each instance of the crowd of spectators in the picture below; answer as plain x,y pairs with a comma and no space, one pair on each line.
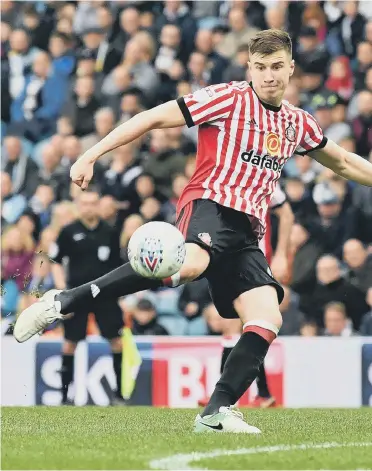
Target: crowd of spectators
71,71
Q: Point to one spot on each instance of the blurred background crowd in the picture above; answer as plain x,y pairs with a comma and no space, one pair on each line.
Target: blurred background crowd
72,71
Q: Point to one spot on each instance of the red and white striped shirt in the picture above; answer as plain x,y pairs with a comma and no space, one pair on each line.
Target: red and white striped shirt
243,145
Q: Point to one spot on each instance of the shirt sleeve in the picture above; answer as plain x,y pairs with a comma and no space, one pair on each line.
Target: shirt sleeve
312,138
59,249
207,105
278,198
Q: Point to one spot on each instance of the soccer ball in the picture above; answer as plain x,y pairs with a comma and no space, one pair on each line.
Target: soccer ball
156,250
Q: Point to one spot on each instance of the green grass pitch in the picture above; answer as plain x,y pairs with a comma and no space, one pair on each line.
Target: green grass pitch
133,437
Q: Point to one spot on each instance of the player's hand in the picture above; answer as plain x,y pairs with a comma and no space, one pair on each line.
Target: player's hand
279,267
81,173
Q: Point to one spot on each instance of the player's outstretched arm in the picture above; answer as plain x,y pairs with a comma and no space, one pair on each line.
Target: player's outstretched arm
346,164
167,115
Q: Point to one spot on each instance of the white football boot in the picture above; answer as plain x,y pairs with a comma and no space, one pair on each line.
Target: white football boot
37,317
227,419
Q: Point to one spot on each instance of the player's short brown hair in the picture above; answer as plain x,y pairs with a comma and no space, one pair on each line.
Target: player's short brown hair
268,41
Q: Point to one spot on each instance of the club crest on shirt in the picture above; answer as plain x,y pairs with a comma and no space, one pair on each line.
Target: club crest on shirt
202,96
272,143
290,133
206,238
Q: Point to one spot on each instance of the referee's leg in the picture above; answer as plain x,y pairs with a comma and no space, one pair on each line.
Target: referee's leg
75,329
109,317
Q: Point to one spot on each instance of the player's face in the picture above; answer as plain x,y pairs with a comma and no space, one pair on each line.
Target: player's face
270,75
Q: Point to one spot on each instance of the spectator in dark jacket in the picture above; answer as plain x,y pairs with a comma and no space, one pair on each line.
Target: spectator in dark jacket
178,13
38,26
351,27
362,124
163,163
293,318
216,64
359,263
312,55
34,113
22,169
332,226
120,178
366,323
237,70
145,321
332,287
169,62
362,197
106,56
52,173
305,253
129,24
363,63
194,297
82,107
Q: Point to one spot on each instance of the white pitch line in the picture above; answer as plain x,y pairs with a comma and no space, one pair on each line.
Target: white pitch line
183,460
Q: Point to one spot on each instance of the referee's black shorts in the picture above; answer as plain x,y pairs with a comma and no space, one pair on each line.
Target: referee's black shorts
237,263
109,318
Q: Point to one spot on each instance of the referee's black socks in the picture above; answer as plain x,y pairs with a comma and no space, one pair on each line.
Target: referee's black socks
242,365
67,374
119,282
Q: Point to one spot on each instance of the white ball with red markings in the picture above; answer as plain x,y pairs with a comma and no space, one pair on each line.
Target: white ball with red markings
156,250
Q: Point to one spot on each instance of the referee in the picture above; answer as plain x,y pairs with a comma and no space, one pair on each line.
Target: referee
86,249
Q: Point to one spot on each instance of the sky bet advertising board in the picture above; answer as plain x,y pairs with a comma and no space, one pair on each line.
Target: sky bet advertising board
178,371
171,374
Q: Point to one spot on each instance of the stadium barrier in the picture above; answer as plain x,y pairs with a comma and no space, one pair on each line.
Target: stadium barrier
177,371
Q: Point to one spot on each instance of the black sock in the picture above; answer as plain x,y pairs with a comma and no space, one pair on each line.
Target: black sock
67,374
225,353
117,358
263,389
241,369
119,282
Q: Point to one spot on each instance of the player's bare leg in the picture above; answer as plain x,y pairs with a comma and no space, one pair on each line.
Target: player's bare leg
55,304
261,318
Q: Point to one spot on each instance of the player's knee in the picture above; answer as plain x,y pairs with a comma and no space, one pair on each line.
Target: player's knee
259,303
275,317
196,262
68,347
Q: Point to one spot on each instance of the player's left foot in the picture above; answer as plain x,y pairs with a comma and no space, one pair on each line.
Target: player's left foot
37,317
227,419
264,402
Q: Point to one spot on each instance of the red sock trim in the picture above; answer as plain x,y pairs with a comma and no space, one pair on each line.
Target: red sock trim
266,334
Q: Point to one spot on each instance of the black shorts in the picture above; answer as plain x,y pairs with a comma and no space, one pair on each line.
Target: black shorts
109,318
237,263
